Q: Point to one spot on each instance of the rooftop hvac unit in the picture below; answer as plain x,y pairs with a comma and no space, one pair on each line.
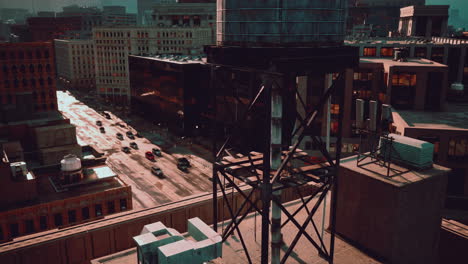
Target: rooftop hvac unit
19,170
408,151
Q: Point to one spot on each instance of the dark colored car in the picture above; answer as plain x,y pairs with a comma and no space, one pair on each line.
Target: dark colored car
102,130
133,145
130,136
107,115
183,164
157,152
126,149
98,123
120,136
157,171
149,155
138,135
184,161
129,133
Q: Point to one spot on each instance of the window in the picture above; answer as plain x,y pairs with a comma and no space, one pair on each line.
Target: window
71,216
386,52
370,52
49,81
98,209
22,69
31,68
33,83
110,207
5,69
58,219
85,213
6,83
25,83
1,234
14,230
43,222
29,226
420,52
123,204
38,54
41,82
403,90
39,68
48,69
458,148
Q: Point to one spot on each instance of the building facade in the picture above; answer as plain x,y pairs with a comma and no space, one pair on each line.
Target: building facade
451,52
50,28
184,15
75,64
145,8
27,78
38,202
117,16
113,45
424,21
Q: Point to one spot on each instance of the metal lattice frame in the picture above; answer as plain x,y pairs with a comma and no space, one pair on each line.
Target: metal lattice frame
266,181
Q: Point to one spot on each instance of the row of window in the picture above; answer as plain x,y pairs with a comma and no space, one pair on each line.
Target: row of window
437,53
22,68
58,219
20,54
25,83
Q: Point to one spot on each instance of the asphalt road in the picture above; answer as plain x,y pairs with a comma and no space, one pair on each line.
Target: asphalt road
133,168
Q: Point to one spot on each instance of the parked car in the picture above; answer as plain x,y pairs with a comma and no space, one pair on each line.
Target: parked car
98,123
121,125
102,129
133,145
138,135
126,149
157,152
157,171
119,136
130,136
129,133
107,115
182,167
149,156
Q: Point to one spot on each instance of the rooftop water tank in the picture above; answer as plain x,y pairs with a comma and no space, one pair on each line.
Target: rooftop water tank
298,23
70,163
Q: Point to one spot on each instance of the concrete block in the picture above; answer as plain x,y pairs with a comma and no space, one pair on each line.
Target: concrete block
199,230
178,252
157,229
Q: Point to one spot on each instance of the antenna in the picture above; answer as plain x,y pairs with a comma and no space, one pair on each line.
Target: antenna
373,115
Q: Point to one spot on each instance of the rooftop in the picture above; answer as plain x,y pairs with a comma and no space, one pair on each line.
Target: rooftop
98,179
411,62
233,252
177,59
455,118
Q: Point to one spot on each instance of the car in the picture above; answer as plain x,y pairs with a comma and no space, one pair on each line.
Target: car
98,123
102,130
182,167
157,152
184,161
107,115
133,145
126,149
157,171
138,135
149,155
129,133
119,136
130,136
121,125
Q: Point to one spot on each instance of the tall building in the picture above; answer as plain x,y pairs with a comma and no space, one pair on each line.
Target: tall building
383,15
50,28
117,16
90,17
184,15
145,9
114,44
75,64
27,79
424,21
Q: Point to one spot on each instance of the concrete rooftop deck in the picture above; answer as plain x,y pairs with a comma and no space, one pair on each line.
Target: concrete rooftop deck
304,252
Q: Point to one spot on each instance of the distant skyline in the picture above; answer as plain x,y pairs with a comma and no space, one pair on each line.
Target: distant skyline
56,5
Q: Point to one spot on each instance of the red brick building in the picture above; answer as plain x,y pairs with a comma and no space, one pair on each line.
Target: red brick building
27,74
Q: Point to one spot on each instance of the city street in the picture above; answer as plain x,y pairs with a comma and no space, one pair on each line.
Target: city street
134,168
